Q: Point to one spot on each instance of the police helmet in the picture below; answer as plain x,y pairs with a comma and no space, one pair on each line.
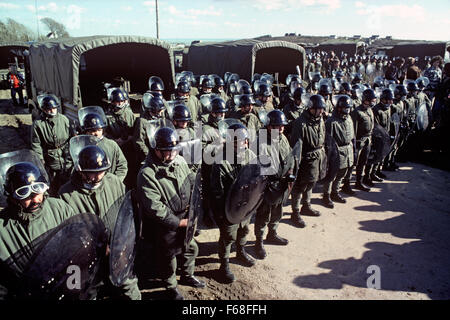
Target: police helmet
298,93
183,87
400,90
246,99
181,113
166,139
93,121
154,104
92,158
345,86
368,95
344,102
387,94
316,101
240,133
49,103
218,105
119,95
264,90
24,178
207,83
325,89
276,118
412,86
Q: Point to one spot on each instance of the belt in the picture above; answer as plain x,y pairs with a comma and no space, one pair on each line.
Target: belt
313,150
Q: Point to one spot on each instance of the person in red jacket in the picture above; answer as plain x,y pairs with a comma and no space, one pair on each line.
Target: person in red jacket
16,83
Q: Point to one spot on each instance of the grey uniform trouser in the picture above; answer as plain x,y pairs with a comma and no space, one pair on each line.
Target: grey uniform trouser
267,214
169,265
230,233
333,185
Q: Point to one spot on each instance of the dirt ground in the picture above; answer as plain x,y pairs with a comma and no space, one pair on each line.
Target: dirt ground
401,226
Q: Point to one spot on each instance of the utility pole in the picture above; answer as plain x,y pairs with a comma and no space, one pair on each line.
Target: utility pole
157,23
37,20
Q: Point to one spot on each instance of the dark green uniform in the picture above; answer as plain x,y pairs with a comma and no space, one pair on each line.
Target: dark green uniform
311,132
250,120
188,134
195,108
396,108
383,118
340,128
270,211
363,123
119,164
98,202
20,233
163,192
140,138
223,175
292,112
50,140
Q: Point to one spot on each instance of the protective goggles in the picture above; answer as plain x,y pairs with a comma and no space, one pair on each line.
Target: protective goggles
25,191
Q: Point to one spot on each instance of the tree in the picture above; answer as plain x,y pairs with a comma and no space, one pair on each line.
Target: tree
15,31
57,29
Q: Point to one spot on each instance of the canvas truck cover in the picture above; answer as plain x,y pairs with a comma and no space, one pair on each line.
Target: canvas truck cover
55,64
246,57
10,49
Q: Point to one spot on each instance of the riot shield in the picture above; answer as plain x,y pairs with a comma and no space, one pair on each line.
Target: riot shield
123,240
395,129
195,209
224,124
11,158
77,143
66,263
153,126
422,119
381,143
190,150
246,193
262,116
292,161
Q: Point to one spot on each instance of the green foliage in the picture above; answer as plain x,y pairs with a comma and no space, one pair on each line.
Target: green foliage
55,27
11,30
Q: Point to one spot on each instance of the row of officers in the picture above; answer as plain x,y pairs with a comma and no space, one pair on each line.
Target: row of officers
319,138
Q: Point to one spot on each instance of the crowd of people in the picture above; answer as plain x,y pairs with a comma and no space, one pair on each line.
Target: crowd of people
347,115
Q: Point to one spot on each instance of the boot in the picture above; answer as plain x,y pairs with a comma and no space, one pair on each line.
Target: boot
274,238
360,186
374,177
367,181
308,211
347,189
225,274
174,294
297,219
242,256
326,201
335,196
380,174
260,252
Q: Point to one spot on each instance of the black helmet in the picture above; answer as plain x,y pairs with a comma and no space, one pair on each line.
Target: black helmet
400,90
93,121
207,83
218,82
412,86
218,105
183,86
119,95
387,94
298,93
246,99
339,74
357,77
316,77
276,118
264,90
245,89
317,101
240,133
368,95
181,113
154,104
345,86
166,139
325,89
155,84
24,178
344,102
49,103
92,158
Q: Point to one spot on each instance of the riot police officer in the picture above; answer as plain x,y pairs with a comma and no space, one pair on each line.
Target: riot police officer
93,189
309,128
270,211
154,108
93,122
263,97
245,114
363,122
183,95
50,136
340,132
28,216
120,118
325,92
164,186
223,174
293,110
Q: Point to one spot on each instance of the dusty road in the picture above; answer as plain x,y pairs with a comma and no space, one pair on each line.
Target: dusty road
401,227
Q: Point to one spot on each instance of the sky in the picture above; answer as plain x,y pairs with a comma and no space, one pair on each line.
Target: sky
238,19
